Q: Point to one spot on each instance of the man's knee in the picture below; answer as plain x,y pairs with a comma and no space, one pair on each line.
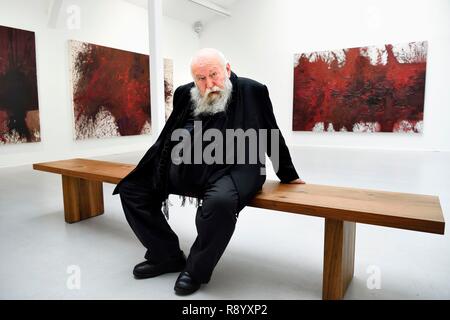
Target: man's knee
131,189
221,202
126,188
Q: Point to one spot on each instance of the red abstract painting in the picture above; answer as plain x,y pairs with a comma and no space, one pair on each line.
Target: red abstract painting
366,89
111,91
19,105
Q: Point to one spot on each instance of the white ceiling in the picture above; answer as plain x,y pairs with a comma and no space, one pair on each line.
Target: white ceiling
187,11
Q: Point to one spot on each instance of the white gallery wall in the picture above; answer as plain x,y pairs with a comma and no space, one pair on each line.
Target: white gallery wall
262,36
260,40
113,23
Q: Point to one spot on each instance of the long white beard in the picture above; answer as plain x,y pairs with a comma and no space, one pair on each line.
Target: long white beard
211,104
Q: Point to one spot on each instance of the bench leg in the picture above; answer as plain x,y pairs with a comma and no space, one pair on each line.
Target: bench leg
82,198
339,258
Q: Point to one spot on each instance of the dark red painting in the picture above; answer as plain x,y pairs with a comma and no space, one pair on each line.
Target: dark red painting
366,89
111,91
19,105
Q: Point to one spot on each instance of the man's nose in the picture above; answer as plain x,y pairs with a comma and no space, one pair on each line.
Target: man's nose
209,83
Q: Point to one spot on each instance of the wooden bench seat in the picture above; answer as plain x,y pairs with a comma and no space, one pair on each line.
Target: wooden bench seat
341,207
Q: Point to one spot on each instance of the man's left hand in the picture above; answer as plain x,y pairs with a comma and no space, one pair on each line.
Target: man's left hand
297,181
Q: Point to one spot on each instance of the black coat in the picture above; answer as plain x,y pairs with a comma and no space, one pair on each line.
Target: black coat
250,107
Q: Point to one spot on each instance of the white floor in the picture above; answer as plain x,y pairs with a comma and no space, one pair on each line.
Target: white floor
272,255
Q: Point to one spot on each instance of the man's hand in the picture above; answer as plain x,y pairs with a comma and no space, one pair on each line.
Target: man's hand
297,181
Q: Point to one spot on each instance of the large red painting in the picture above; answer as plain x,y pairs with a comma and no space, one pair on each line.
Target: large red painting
366,89
111,91
19,106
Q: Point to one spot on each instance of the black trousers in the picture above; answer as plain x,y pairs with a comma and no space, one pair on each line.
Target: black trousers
215,221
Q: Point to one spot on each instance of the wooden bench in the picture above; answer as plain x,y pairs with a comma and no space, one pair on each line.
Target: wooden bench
341,207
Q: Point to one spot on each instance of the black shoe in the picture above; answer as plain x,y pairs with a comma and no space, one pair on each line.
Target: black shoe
185,284
147,269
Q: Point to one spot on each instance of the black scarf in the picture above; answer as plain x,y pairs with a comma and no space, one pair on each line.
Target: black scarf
164,161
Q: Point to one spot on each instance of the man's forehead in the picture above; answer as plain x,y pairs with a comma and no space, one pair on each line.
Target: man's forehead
206,67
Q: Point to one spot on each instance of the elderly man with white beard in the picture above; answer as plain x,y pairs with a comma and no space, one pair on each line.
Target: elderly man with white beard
221,102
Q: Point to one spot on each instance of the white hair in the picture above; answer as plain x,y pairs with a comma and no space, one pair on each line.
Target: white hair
209,52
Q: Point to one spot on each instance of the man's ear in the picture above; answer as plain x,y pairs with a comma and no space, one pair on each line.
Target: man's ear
228,70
